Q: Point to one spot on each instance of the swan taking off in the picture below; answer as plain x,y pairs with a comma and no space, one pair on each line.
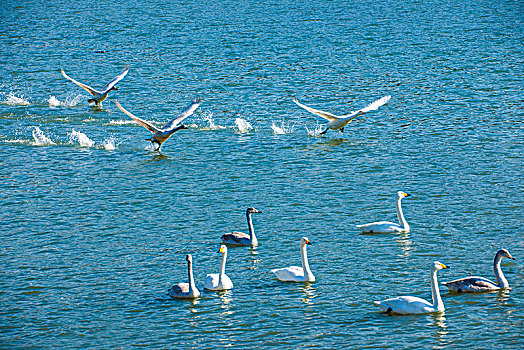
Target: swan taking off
240,238
405,305
99,96
338,122
389,227
219,281
481,284
295,273
161,135
185,290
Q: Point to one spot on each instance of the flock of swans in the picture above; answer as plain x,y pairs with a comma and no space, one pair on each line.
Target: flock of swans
220,281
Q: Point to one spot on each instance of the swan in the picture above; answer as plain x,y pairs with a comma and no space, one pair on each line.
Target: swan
99,96
240,238
339,122
219,281
185,290
161,135
405,305
295,273
388,227
481,284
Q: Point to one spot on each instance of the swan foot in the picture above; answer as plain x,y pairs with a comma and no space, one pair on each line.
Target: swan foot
324,132
389,310
342,130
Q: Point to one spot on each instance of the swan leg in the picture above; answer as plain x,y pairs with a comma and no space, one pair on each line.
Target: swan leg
341,129
324,132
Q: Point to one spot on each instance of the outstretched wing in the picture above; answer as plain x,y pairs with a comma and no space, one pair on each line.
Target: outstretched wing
370,107
115,80
325,115
186,113
138,120
83,86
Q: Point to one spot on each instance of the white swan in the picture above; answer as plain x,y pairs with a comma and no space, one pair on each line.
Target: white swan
405,305
337,122
295,273
240,238
219,281
388,227
99,96
161,135
480,284
185,290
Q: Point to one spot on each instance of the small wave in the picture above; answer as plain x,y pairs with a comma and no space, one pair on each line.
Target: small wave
110,144
243,125
14,100
80,138
121,122
282,129
40,139
315,132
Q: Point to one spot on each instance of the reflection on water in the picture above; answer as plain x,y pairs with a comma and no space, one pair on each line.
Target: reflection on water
441,331
254,261
226,298
405,243
503,296
309,293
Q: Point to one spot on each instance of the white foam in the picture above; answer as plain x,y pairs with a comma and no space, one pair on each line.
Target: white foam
110,144
53,102
12,99
282,129
121,122
40,139
243,126
315,132
211,122
81,139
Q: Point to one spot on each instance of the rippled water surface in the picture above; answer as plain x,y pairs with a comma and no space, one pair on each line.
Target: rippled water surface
95,225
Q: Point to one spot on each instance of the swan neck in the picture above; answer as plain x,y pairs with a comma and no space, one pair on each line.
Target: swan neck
252,236
402,221
305,262
435,292
192,287
222,267
501,279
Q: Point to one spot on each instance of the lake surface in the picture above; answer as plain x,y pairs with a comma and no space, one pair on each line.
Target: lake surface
95,225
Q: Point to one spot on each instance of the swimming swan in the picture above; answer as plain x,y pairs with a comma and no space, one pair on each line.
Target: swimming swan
99,96
339,122
185,290
388,227
161,135
219,281
405,305
481,284
295,273
240,238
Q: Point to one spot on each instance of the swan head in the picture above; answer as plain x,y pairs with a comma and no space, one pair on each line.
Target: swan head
504,253
189,258
223,249
304,241
438,266
252,210
401,195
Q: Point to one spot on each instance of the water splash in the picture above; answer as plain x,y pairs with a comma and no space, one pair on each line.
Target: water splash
211,122
243,126
121,122
53,102
40,139
13,100
282,129
315,132
110,144
80,138
70,101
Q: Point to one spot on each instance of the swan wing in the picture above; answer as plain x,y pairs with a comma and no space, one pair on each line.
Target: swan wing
178,289
142,122
380,227
186,113
370,107
116,79
325,115
406,305
236,238
471,284
211,281
291,273
83,86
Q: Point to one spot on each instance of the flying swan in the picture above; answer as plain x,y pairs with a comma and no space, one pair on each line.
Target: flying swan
219,281
240,238
389,227
99,96
481,284
185,290
406,305
337,122
295,273
161,135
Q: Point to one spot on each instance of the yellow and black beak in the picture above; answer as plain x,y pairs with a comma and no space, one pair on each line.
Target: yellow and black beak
444,266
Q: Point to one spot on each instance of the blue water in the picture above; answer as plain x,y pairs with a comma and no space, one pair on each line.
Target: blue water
95,225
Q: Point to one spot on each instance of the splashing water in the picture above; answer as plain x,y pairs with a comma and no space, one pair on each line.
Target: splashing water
15,100
211,122
110,144
315,132
121,122
70,101
282,129
243,126
53,102
81,138
40,139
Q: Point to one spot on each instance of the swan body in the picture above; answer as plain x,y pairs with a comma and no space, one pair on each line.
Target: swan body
240,238
295,273
480,284
99,96
219,281
185,290
161,135
386,226
339,122
405,305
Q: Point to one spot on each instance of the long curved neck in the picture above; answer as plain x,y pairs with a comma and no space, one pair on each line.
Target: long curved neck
305,262
222,268
435,292
501,279
192,287
252,236
402,221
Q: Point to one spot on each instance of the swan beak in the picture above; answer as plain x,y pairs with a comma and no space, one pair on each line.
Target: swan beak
221,250
444,266
406,194
308,242
511,257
